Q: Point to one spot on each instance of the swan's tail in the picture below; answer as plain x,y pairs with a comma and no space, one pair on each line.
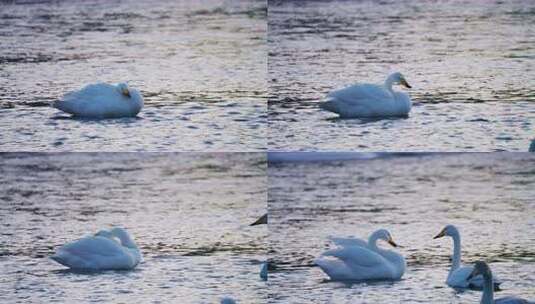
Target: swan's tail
328,105
334,268
63,105
58,257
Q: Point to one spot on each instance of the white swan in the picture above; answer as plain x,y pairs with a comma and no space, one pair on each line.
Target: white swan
102,100
106,250
481,269
370,100
459,275
356,260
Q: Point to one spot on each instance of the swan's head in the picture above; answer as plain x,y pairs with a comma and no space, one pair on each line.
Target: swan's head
398,78
482,268
383,234
449,230
104,233
120,233
123,88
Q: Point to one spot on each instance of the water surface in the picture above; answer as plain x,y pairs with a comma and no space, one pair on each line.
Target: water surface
489,197
200,65
470,63
188,213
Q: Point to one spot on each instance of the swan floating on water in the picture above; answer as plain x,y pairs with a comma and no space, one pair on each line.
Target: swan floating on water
106,250
370,100
481,269
102,100
459,276
357,260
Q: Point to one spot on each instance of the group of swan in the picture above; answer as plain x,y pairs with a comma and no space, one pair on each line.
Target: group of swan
370,100
357,260
102,100
459,275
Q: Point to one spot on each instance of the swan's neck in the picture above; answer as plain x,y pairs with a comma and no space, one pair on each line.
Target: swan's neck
456,260
488,289
388,84
372,241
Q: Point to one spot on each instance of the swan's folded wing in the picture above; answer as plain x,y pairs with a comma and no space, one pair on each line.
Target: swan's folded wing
356,255
90,246
359,92
350,241
90,93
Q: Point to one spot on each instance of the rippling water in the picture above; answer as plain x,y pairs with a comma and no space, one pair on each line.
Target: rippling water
200,65
470,63
188,213
488,196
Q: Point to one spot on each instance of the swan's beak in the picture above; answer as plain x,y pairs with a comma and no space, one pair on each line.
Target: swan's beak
126,92
441,234
405,83
391,242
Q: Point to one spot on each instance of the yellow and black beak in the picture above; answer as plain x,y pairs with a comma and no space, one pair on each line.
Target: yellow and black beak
126,92
405,83
391,242
441,234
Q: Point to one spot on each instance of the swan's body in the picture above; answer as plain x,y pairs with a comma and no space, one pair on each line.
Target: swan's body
357,260
350,241
370,100
482,269
458,277
105,250
102,100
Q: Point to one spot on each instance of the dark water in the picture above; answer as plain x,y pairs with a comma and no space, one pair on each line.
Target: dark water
470,63
489,197
188,213
200,65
